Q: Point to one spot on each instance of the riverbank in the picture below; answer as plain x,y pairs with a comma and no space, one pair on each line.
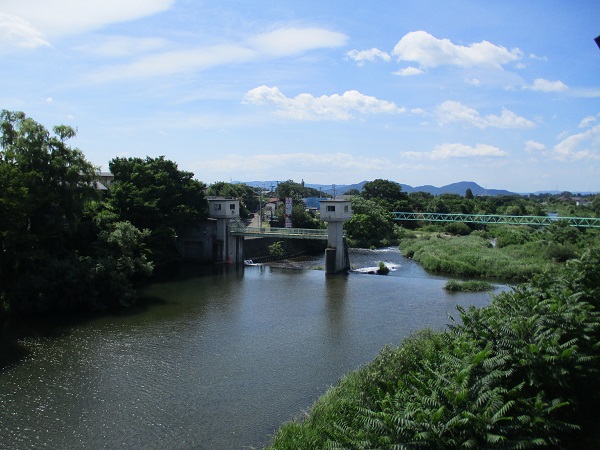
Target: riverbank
519,372
476,256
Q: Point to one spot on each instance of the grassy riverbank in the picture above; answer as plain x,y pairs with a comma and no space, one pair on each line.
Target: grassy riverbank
475,256
520,373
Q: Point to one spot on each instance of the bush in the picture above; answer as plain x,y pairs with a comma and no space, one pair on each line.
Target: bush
468,286
459,228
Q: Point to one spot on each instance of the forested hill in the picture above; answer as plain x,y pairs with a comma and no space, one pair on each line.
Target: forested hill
454,188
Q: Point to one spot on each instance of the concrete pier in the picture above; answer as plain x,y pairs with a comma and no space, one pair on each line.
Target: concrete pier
335,213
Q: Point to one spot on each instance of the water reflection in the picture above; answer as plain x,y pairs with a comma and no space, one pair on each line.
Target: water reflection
220,359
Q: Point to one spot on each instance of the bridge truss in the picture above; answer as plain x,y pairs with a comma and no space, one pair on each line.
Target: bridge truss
583,222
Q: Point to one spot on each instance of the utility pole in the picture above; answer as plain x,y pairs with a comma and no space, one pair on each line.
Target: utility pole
260,208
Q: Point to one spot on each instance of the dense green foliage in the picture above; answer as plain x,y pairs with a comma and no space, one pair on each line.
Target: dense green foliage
371,225
153,194
507,252
468,286
65,246
520,373
301,218
296,191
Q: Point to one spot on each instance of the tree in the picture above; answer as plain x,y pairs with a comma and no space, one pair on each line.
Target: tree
44,185
296,191
249,196
468,194
371,224
154,194
387,193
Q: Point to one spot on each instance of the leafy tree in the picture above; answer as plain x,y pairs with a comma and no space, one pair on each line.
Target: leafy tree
44,185
352,191
469,194
371,224
387,193
154,194
296,191
300,217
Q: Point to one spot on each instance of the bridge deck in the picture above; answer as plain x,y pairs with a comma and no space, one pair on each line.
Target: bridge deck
290,233
584,222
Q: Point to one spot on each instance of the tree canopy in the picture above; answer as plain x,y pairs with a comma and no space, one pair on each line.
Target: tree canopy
153,194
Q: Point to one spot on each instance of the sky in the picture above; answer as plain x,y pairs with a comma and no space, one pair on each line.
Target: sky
502,93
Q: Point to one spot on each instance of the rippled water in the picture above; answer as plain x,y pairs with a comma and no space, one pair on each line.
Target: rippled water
217,360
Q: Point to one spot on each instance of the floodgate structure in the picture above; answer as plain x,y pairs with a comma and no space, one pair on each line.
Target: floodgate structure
221,238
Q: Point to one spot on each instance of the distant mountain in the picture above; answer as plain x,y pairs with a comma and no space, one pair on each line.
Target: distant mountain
455,188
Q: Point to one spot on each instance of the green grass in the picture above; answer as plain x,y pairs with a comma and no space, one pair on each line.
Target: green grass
474,256
468,286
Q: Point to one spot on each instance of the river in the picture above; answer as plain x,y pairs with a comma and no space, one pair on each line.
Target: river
214,358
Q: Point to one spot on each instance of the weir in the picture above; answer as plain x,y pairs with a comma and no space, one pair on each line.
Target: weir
221,238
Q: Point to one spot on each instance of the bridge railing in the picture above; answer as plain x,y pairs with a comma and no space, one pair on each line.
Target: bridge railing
584,222
279,232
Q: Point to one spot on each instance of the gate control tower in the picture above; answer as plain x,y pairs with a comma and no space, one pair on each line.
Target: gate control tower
335,213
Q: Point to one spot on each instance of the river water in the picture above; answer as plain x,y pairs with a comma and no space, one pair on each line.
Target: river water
215,358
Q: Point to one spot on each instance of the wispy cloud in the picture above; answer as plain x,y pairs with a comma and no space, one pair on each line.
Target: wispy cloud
542,85
579,146
409,71
368,55
457,150
17,32
275,44
534,147
450,112
587,121
122,46
326,107
429,51
292,41
69,17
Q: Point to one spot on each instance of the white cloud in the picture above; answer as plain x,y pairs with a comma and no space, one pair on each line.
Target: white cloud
121,46
579,146
447,151
409,71
68,17
430,51
587,121
291,41
175,62
326,107
367,55
542,85
15,31
450,111
279,43
538,58
534,147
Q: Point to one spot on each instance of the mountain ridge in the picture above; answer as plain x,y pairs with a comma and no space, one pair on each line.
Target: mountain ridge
454,188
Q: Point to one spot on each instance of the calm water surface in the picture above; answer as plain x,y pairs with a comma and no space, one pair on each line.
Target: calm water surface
218,360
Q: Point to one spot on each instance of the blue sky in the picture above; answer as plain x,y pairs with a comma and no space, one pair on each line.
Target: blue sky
503,93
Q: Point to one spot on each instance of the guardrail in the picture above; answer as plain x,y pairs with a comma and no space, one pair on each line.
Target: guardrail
298,233
584,222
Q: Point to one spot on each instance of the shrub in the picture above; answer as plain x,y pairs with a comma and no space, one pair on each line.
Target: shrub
520,373
468,286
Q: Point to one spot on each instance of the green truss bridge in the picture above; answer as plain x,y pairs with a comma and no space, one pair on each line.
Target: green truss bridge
583,222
